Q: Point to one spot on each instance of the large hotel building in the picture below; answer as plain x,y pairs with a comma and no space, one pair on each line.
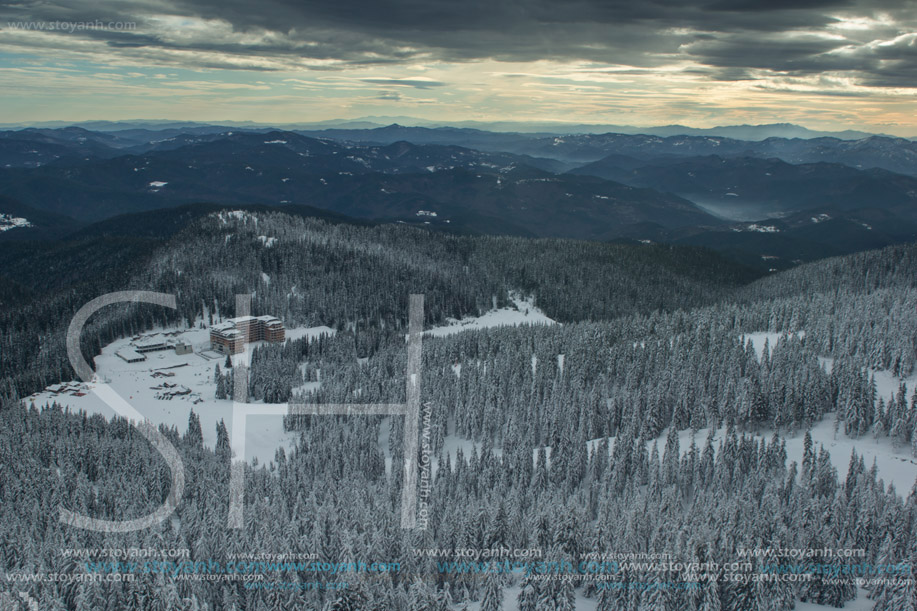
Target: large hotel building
231,336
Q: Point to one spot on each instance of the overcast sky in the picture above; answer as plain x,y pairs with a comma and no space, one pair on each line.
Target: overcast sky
826,64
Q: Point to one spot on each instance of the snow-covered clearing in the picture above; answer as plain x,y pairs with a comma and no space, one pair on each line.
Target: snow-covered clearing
886,383
759,338
167,386
895,466
241,215
898,467
8,221
522,312
310,332
451,446
511,594
860,603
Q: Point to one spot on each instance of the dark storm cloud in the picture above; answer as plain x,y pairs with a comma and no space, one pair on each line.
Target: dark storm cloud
734,38
773,5
797,56
891,65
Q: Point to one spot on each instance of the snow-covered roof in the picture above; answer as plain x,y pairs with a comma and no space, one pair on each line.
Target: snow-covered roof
146,343
129,354
232,322
226,331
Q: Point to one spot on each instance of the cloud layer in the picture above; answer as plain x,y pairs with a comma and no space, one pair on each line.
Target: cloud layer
814,47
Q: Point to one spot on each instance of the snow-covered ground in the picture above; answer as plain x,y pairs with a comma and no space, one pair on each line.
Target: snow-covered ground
860,603
310,332
886,383
758,339
522,312
451,445
8,221
510,596
188,378
898,467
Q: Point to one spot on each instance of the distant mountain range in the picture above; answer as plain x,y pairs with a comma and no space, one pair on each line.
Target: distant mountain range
749,188
431,184
769,203
893,154
739,132
32,147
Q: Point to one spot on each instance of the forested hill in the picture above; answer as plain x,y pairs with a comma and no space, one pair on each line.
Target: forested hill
307,259
893,267
313,271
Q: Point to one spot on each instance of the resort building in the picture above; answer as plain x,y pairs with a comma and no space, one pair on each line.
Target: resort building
130,355
151,345
231,336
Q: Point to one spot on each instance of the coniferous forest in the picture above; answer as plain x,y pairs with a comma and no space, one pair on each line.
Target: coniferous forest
639,451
